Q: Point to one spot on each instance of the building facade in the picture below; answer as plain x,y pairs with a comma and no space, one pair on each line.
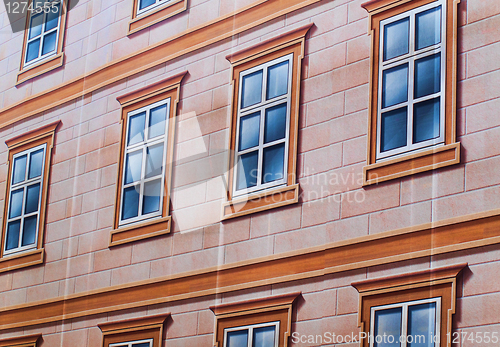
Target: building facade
250,173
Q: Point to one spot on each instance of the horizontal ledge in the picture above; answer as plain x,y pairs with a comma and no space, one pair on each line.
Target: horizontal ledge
254,304
21,260
42,67
156,15
140,231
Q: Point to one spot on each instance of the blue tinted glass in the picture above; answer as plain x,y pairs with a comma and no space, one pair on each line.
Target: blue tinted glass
428,28
252,89
388,323
145,3
32,194
237,338
428,75
136,128
36,26
157,119
393,131
395,85
426,120
154,160
277,80
16,203
130,202
19,169
33,50
13,235
142,344
396,38
29,231
52,18
275,123
264,337
249,131
133,167
36,160
422,325
151,199
274,162
247,170
49,43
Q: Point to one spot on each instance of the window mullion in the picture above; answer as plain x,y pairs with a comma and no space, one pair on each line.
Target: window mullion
404,325
143,176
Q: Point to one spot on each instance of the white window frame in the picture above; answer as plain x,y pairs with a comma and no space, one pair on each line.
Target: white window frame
404,317
250,329
129,344
261,107
24,185
143,146
43,32
150,7
410,59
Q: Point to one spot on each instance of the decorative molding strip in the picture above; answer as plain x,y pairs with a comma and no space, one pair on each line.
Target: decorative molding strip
404,244
167,50
21,341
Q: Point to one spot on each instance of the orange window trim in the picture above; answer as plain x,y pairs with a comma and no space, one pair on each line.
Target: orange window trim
155,15
420,160
167,88
290,42
21,341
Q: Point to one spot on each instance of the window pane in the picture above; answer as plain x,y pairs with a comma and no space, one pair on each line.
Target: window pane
13,235
275,123
33,50
29,230
130,202
277,80
145,3
151,199
396,38
264,337
49,43
247,170
136,128
249,131
252,89
142,344
274,162
395,85
16,203
237,338
428,75
388,322
422,325
133,167
157,119
19,169
52,18
393,131
36,25
426,120
154,160
36,160
32,194
428,28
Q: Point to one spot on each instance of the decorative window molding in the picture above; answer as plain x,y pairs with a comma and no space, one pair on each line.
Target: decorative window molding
272,315
145,165
22,341
43,39
146,13
264,124
26,198
397,297
139,332
413,131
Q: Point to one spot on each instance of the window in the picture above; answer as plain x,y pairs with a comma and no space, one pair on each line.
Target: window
43,39
408,310
413,88
26,197
255,323
148,124
140,343
264,125
148,12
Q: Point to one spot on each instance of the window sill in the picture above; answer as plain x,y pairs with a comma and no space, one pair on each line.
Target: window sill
260,202
21,260
431,159
156,15
42,67
143,230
